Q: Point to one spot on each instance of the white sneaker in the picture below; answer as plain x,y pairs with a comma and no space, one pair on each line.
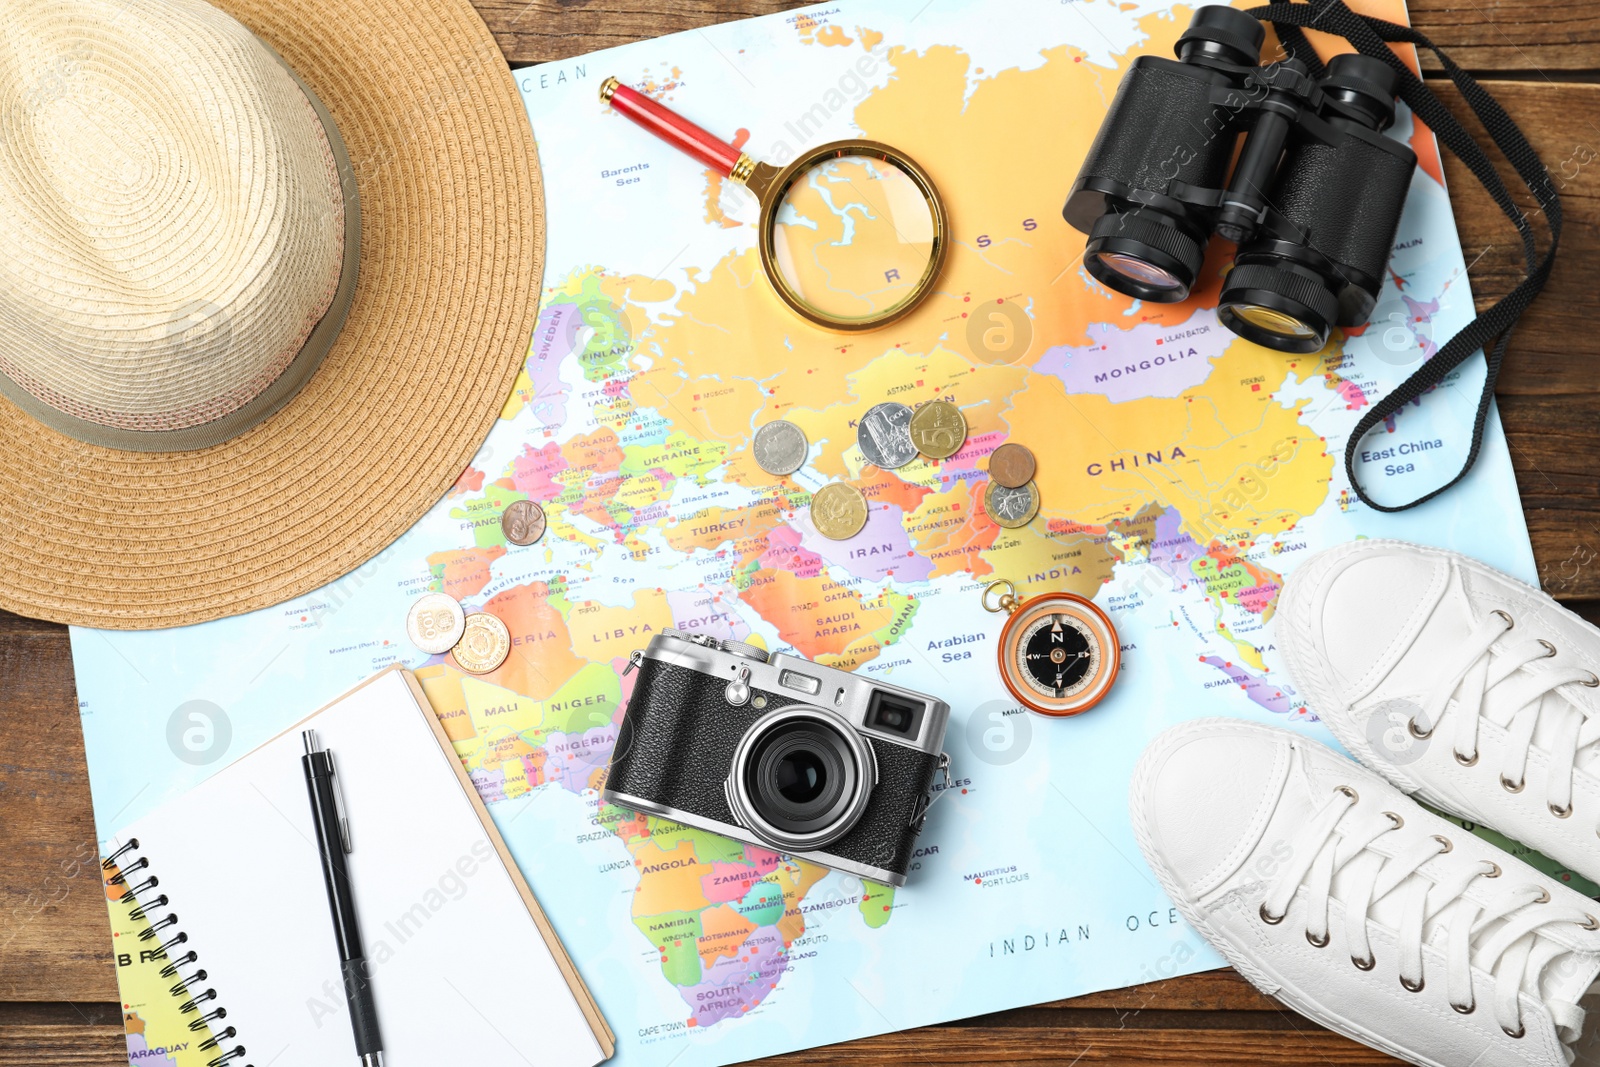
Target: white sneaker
1463,686
1330,889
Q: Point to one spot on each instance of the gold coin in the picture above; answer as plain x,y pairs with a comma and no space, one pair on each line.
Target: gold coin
1012,466
485,644
938,429
838,511
1009,507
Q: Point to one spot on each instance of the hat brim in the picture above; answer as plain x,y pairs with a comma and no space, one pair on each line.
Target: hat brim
452,252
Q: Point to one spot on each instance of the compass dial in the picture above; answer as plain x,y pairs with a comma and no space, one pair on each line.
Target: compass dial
1058,654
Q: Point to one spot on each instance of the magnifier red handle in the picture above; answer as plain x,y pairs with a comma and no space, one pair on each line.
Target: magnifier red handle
671,127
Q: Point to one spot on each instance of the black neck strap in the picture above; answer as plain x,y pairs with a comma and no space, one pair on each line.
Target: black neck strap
1491,331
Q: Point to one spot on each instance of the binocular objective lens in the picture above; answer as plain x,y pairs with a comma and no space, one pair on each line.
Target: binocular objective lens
1273,321
1139,270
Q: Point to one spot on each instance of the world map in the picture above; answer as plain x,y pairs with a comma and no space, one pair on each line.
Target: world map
1183,472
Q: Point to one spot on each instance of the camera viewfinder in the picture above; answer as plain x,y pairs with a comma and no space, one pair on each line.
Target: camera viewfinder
894,714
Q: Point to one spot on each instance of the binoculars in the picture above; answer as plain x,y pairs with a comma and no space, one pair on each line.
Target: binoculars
1312,203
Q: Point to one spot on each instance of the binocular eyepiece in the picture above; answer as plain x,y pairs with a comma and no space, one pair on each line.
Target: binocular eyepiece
1312,202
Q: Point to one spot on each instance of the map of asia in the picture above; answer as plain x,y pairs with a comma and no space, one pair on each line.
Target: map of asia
1183,472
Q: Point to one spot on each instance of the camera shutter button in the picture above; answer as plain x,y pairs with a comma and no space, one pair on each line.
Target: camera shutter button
738,691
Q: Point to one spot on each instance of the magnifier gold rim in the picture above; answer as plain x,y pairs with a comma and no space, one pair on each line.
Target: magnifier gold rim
769,185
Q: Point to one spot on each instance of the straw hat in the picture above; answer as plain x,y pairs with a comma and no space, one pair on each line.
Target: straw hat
269,271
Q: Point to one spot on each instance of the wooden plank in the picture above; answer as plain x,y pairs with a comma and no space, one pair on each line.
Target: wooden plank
1559,121
51,897
1533,36
1213,1042
1066,1045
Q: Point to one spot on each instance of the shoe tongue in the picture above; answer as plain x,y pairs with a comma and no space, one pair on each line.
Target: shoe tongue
1564,987
1569,975
1438,638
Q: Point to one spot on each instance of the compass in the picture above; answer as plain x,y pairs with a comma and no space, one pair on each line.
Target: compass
1058,652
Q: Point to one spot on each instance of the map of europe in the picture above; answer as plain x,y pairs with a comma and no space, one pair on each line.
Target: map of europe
1182,470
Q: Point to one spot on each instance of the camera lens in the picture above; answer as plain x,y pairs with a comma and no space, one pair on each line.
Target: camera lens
1278,305
800,778
1143,253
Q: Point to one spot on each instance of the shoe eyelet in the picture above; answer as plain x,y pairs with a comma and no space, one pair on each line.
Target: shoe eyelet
1511,624
1347,791
1496,872
1590,922
1318,944
1515,1034
1594,680
1543,898
1505,784
1465,1009
1409,987
1420,735
1549,649
1366,964
1561,813
1397,820
1445,841
1465,761
1270,920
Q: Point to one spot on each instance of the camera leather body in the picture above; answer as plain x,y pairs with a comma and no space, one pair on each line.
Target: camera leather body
674,754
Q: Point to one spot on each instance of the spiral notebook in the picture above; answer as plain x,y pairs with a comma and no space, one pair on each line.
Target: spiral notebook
224,941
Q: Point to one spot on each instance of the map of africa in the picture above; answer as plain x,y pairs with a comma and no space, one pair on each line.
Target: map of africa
1183,472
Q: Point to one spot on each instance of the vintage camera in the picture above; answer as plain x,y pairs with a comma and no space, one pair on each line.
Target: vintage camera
1313,201
780,752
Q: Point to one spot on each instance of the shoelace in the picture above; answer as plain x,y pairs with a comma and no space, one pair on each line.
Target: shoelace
1519,699
1331,843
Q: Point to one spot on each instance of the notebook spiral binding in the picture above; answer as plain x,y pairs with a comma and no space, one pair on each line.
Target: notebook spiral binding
198,999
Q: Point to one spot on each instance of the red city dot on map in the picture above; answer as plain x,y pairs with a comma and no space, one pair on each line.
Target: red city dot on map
977,881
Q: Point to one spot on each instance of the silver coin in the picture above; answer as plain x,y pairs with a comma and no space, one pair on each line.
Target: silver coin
781,447
884,435
435,623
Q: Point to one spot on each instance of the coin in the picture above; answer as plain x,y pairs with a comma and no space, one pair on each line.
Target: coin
781,447
838,511
885,436
435,622
1011,507
484,645
1012,466
522,522
938,429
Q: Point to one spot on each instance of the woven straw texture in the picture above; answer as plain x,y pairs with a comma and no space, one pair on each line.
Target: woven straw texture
451,258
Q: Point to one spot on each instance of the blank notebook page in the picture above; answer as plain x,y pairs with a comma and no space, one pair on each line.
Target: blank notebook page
460,971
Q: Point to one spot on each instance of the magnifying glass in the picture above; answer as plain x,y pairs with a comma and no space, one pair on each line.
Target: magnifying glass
852,234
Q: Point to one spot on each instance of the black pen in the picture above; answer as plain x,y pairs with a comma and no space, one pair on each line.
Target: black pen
333,842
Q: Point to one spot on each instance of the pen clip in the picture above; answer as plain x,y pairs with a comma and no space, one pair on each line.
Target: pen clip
338,803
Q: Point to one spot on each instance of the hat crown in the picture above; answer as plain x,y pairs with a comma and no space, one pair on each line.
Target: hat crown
171,211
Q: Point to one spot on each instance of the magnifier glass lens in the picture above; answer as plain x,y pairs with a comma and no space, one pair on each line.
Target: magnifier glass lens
853,237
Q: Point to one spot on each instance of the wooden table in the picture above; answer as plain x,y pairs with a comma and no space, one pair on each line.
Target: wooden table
58,995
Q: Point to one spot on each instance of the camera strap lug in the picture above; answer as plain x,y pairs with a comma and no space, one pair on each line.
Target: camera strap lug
635,660
738,691
935,791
